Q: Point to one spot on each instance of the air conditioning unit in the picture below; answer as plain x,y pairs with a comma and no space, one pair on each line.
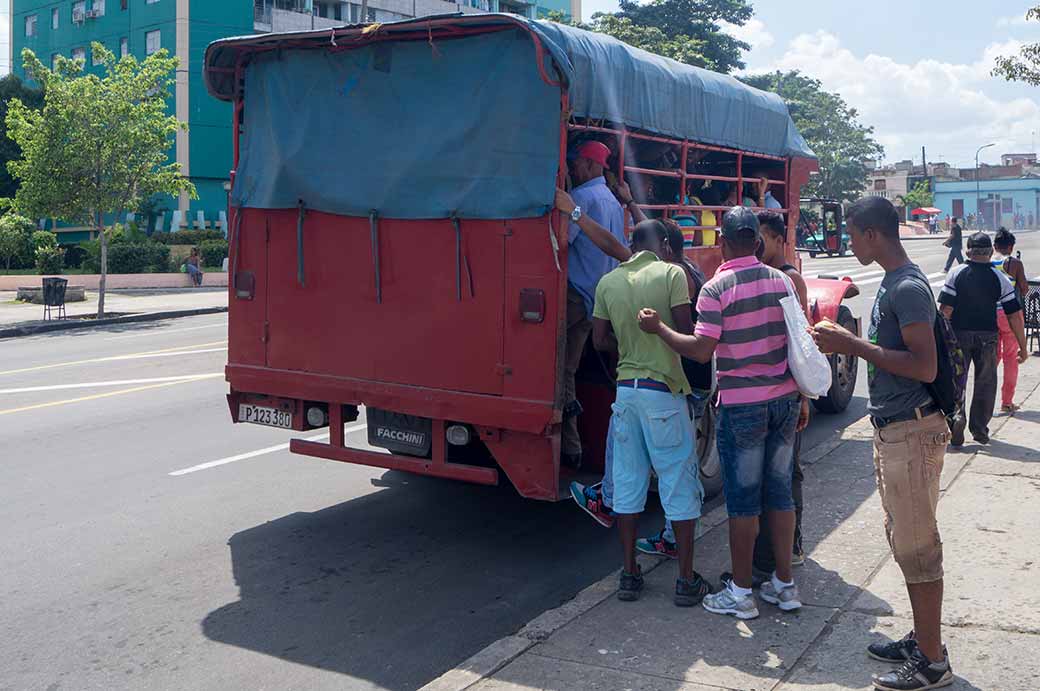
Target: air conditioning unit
94,14
78,16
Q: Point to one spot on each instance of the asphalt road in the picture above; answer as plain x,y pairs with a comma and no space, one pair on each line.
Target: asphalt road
150,543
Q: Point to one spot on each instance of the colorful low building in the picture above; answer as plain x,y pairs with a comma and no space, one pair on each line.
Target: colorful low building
999,201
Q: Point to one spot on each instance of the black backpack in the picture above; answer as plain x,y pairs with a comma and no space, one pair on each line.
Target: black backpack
951,373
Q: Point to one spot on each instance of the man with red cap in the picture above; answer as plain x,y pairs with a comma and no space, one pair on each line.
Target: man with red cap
591,255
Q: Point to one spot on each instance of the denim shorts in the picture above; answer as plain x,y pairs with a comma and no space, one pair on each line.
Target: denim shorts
756,450
653,429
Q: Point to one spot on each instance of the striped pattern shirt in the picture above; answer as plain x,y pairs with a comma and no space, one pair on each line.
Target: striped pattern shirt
740,307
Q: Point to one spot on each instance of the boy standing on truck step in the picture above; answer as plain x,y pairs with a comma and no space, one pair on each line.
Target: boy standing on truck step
739,314
590,256
910,436
651,425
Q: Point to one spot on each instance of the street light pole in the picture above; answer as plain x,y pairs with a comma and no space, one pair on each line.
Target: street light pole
978,193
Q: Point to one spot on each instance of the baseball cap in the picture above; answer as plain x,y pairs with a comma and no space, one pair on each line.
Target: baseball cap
596,152
980,241
737,219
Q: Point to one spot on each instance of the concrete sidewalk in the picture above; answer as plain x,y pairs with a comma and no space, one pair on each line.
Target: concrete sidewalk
852,590
20,314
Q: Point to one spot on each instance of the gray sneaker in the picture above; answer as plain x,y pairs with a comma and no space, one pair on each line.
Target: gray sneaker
787,599
725,602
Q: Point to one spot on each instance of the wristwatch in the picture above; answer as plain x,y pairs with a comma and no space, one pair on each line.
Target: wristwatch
576,214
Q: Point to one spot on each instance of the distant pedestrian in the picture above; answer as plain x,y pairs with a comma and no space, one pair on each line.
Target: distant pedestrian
651,423
739,315
193,265
910,436
956,244
1007,345
969,300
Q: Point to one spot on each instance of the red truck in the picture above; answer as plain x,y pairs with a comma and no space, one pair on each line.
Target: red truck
394,246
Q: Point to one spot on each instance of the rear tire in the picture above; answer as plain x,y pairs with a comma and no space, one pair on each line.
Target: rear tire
708,452
812,255
844,369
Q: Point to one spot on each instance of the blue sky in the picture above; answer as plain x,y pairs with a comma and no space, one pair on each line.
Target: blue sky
917,70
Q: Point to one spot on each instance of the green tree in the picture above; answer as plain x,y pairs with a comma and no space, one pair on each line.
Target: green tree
1024,67
100,144
11,87
699,21
832,128
920,195
16,239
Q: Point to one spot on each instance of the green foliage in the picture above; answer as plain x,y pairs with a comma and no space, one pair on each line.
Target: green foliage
74,256
137,258
43,238
842,144
920,195
100,144
687,31
213,252
187,237
1024,67
50,259
16,246
696,22
11,87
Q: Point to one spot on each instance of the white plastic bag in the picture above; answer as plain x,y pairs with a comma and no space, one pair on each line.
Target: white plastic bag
809,367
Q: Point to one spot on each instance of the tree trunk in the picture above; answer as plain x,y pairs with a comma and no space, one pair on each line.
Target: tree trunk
104,272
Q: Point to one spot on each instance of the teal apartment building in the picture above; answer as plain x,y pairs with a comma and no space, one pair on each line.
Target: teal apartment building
184,28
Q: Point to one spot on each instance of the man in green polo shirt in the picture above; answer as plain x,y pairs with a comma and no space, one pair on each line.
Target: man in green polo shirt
651,426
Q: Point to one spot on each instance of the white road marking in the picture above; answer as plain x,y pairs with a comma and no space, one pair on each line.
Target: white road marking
259,452
168,332
178,350
152,355
878,279
120,382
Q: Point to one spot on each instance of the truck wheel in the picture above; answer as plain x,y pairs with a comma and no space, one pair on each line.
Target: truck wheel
812,255
843,373
843,251
708,452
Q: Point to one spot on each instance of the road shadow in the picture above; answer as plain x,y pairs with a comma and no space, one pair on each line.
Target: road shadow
398,586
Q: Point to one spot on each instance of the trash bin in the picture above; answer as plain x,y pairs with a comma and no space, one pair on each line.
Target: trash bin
54,296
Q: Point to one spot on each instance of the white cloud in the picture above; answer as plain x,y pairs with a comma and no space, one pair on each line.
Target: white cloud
947,107
752,32
1013,20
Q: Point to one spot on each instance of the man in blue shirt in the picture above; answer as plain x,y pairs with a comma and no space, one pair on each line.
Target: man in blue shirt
589,258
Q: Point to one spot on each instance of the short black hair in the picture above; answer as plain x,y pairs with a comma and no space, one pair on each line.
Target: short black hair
1004,238
640,234
877,213
773,222
676,241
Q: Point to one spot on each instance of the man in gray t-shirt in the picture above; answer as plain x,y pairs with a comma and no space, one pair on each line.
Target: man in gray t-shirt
910,436
904,298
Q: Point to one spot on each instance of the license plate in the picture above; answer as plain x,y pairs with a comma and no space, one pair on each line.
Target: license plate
263,415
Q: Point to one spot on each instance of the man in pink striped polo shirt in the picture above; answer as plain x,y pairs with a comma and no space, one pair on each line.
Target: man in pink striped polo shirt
740,321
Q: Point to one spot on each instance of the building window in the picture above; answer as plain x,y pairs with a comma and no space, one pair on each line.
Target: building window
122,4
79,54
99,8
1007,205
79,12
152,42
124,47
150,2
879,184
30,26
95,57
55,18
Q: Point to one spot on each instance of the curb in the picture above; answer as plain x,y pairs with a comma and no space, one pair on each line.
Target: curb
505,650
72,324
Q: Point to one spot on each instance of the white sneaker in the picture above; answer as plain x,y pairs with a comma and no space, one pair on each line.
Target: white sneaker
726,602
787,599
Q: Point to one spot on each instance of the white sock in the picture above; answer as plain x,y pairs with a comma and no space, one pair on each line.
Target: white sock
779,585
738,591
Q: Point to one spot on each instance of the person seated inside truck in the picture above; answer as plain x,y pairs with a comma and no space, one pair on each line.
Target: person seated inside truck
757,191
591,208
651,427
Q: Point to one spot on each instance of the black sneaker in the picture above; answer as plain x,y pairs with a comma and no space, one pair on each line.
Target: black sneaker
630,585
690,593
916,674
894,651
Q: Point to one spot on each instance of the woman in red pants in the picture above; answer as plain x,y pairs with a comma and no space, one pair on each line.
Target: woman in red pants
1007,345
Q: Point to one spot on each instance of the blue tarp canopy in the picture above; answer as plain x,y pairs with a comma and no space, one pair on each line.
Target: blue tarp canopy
459,125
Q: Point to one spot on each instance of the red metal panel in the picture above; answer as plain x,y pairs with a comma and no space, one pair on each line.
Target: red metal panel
827,294
531,461
246,317
420,466
419,333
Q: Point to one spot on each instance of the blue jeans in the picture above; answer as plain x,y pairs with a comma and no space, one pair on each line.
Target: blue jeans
653,429
756,451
